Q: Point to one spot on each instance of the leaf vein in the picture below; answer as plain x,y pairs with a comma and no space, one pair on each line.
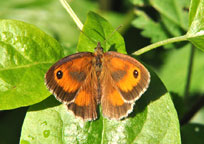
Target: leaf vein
24,66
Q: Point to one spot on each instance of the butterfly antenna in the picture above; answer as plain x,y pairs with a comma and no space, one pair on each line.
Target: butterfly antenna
112,33
88,37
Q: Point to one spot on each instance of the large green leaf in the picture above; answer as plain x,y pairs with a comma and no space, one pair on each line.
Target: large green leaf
153,120
25,55
196,23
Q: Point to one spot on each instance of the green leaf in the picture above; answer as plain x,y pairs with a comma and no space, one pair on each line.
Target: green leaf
196,24
199,116
150,28
25,55
174,72
192,133
97,29
173,10
172,20
153,120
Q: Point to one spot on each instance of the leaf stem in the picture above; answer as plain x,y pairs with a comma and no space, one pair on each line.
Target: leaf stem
72,14
160,43
190,66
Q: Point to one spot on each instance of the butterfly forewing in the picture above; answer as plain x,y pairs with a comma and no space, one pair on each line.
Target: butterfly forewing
130,76
71,80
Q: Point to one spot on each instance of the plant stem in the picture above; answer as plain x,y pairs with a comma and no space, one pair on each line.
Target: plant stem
190,66
72,14
160,43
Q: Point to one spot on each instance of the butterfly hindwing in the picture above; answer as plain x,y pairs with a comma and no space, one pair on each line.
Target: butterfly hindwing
112,102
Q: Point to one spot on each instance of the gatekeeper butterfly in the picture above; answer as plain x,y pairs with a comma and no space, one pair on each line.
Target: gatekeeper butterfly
83,80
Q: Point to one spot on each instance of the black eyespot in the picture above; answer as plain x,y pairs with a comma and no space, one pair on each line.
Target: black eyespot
135,73
59,74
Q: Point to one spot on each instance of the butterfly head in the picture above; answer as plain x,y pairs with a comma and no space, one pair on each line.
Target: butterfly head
98,49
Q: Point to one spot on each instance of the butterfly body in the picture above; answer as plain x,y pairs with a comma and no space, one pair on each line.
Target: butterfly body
84,80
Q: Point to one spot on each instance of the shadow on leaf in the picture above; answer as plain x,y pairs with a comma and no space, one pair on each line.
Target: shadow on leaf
45,104
155,91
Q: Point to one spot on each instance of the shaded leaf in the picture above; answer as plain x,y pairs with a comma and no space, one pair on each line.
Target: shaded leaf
150,28
172,20
25,55
192,133
174,72
199,117
173,10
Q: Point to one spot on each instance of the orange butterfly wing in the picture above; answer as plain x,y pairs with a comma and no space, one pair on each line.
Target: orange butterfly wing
85,103
123,81
73,81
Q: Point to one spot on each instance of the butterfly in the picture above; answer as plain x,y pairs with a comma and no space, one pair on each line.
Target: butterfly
84,80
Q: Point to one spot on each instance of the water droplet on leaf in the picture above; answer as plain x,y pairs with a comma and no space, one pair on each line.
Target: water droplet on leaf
46,133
